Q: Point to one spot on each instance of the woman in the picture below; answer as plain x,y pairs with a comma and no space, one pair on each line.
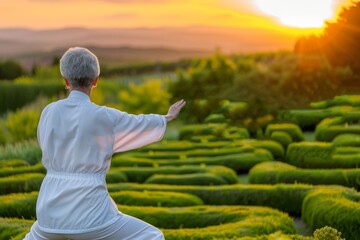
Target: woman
77,139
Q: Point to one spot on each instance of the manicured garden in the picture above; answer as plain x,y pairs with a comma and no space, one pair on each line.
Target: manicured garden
189,186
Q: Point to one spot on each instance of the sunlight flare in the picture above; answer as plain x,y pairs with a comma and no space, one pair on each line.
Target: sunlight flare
299,13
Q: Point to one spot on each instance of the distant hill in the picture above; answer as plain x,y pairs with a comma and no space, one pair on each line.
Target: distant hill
138,44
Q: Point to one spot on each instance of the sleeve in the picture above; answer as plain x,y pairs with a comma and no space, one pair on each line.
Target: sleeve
135,131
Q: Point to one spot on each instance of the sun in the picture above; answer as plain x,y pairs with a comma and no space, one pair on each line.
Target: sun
299,13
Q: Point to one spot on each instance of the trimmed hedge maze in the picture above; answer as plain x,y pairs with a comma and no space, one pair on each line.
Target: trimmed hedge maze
190,187
277,172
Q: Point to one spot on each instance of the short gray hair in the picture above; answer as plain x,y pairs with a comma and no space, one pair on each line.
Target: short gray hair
79,66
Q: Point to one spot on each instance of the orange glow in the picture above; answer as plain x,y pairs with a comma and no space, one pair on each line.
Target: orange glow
299,13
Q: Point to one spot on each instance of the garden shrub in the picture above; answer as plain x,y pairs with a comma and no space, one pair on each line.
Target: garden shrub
232,133
338,208
204,139
309,118
13,228
141,174
241,162
281,137
222,151
274,147
310,154
115,176
327,233
169,146
27,150
351,100
233,110
329,128
292,129
13,163
15,95
208,222
287,198
21,183
186,179
215,118
22,124
328,133
348,139
8,171
274,236
345,157
277,172
18,205
188,131
155,198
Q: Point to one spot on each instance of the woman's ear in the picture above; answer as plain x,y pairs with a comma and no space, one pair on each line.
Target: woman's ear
66,82
95,82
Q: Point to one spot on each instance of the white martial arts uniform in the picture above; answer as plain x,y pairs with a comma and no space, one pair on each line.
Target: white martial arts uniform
77,139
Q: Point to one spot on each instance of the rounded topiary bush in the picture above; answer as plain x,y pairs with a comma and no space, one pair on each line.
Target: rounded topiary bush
292,129
335,207
281,137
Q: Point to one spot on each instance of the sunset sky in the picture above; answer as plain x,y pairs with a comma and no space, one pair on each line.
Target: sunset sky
282,15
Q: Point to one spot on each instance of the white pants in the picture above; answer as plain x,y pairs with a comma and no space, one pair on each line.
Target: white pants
127,228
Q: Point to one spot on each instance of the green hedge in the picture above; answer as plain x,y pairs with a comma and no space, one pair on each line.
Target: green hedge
23,205
187,179
292,129
21,183
309,118
16,95
212,149
233,133
328,133
142,174
209,222
276,172
13,163
351,100
188,131
281,137
203,222
27,150
347,140
333,207
287,198
310,154
241,162
14,229
322,155
155,198
215,118
19,205
8,171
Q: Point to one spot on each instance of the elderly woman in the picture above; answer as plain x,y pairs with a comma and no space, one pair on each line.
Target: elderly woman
77,139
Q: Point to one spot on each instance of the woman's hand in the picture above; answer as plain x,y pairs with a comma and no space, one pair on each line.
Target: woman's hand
174,110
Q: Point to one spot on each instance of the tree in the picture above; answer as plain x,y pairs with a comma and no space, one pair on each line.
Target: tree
340,41
9,70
